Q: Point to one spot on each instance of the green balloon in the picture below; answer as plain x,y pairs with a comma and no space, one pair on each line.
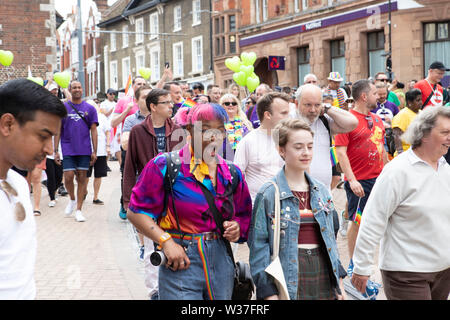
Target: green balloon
240,78
252,83
233,63
248,70
37,80
6,57
248,58
62,79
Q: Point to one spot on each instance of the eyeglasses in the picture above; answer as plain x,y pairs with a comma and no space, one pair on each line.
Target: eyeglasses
369,122
10,192
249,102
384,80
311,81
230,103
165,102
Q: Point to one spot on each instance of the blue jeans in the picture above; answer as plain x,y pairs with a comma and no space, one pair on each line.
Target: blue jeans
192,283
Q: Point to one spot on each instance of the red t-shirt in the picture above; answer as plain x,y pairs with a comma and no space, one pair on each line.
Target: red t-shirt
426,88
365,146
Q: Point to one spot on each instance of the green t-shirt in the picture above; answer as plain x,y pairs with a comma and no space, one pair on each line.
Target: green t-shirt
392,97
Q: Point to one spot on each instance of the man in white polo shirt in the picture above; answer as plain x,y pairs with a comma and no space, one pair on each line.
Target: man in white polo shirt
29,117
256,155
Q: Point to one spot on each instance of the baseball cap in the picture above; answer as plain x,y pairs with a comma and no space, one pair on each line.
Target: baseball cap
438,65
52,87
110,90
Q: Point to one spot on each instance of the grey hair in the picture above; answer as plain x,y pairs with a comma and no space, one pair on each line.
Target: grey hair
298,93
423,124
310,75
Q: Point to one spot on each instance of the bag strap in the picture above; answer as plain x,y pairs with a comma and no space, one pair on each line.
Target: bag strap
327,125
217,217
79,114
429,97
276,225
173,164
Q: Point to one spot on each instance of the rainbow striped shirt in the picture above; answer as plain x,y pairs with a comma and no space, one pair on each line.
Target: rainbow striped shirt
193,211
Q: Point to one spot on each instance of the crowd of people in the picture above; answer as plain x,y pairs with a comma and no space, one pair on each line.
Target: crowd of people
199,168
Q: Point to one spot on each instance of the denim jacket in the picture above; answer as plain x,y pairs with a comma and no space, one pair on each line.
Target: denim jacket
260,238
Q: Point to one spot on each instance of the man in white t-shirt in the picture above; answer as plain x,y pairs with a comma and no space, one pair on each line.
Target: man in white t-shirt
256,155
310,108
107,107
29,117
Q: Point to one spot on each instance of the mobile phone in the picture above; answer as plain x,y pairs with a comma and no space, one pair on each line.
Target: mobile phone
167,65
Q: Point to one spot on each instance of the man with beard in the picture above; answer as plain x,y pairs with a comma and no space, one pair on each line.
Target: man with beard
29,117
325,121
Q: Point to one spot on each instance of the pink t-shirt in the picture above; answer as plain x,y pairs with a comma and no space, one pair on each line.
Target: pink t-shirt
122,105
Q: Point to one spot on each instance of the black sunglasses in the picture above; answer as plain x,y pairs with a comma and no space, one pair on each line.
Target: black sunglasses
369,122
230,103
384,80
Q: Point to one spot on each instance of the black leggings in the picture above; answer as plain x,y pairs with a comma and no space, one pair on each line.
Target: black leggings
54,177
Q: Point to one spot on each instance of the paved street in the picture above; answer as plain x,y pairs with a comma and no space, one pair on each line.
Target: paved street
98,259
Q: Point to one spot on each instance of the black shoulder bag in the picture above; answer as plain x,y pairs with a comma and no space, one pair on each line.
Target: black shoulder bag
243,282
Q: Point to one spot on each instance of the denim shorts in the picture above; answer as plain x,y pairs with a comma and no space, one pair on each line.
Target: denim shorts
210,275
353,199
72,163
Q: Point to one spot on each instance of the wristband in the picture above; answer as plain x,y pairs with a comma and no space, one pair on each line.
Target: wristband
163,238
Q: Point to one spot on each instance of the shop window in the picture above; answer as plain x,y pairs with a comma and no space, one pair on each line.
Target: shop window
338,57
304,68
436,43
375,48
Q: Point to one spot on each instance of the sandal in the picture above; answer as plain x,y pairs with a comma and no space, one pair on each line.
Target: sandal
37,212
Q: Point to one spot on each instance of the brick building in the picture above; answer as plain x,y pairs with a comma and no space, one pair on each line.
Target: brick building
150,33
67,46
28,29
348,36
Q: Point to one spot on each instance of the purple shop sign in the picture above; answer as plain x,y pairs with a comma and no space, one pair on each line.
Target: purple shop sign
317,24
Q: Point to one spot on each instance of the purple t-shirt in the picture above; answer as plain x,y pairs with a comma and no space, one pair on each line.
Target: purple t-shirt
386,110
254,118
75,134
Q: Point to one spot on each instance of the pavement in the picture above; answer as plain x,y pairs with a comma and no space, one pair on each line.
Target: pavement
98,259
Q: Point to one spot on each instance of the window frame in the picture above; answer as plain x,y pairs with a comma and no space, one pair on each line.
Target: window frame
378,47
154,32
114,83
112,40
195,14
177,25
436,40
177,63
139,36
195,56
125,36
124,75
155,65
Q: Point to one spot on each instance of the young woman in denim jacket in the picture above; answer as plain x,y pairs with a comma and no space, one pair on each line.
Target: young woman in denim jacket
309,258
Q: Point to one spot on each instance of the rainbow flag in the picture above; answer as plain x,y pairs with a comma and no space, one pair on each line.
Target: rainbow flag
333,156
188,103
358,214
128,87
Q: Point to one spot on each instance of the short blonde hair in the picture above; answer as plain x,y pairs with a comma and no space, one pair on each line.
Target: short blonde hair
281,131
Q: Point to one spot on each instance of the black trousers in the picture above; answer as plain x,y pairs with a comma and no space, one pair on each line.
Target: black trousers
54,177
123,154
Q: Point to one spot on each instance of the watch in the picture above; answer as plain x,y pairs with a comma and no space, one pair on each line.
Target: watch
163,238
326,107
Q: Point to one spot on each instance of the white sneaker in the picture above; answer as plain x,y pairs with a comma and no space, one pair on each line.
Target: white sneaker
79,217
52,203
344,225
72,204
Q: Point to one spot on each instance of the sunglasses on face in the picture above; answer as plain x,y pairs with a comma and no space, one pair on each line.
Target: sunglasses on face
249,102
384,80
11,193
369,122
230,103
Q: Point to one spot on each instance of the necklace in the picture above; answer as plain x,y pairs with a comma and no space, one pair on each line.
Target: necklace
303,197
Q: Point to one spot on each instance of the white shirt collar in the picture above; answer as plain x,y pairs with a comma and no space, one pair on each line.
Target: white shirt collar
414,158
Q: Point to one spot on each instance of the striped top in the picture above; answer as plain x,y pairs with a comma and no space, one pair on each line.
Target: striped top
192,208
309,232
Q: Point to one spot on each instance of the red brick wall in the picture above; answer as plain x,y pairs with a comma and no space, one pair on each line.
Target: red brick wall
23,32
